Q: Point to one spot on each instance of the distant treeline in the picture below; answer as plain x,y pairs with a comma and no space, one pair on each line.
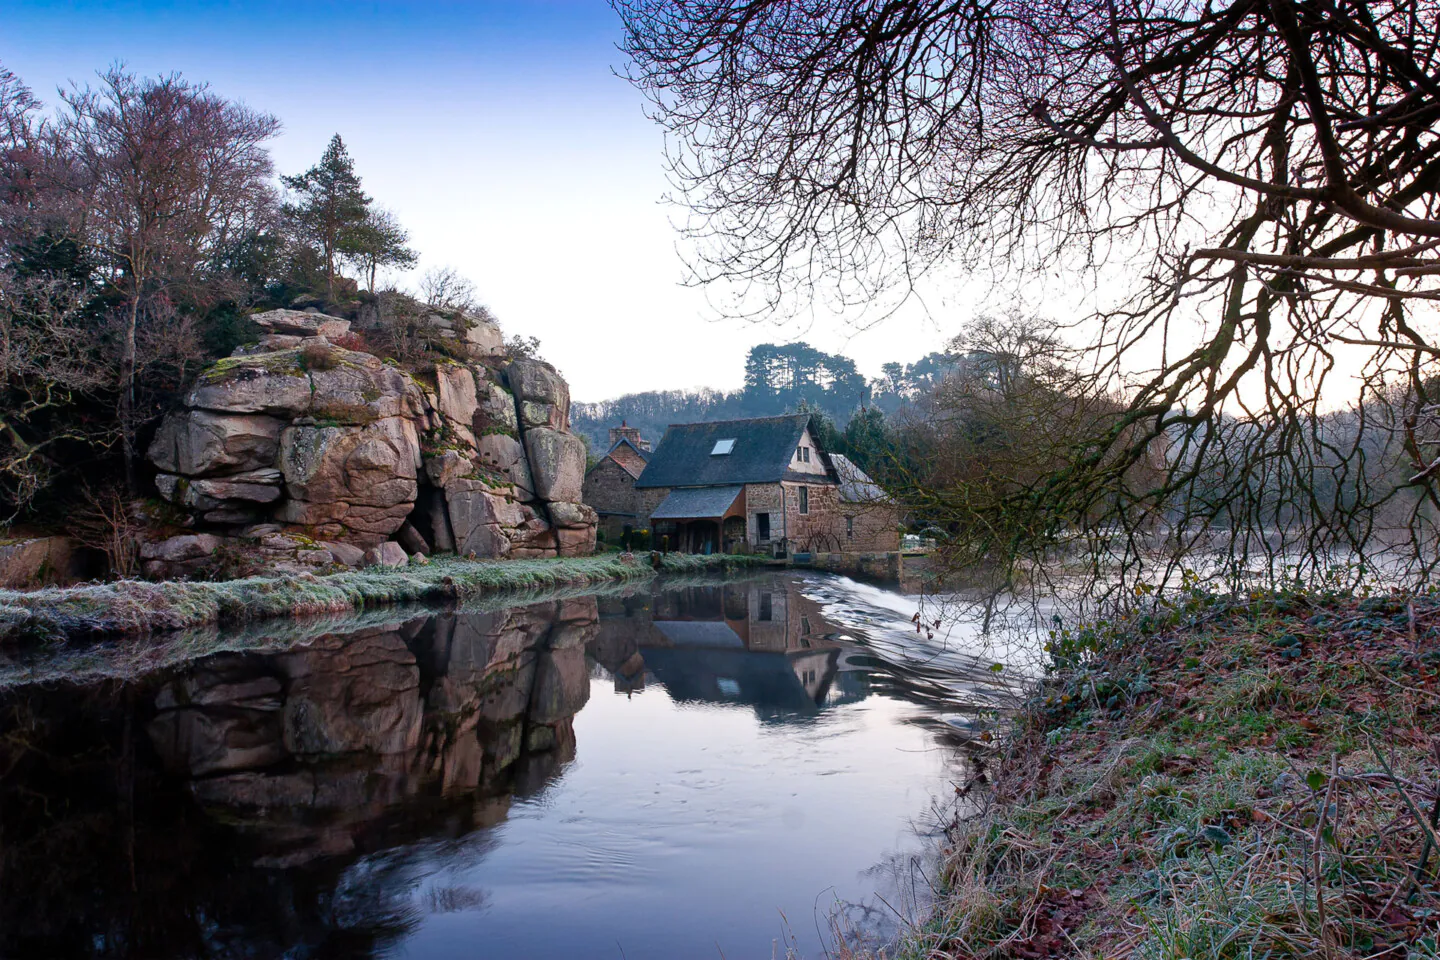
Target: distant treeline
778,379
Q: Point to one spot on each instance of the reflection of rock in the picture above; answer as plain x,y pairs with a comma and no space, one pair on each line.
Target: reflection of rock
300,786
219,718
561,687
357,693
304,747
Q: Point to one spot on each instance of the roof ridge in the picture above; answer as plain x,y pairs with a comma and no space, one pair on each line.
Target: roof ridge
721,423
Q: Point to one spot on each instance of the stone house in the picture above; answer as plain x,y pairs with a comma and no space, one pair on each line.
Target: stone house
764,485
609,487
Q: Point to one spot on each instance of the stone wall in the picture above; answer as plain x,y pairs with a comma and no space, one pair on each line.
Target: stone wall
764,498
822,527
628,458
869,527
648,498
878,566
298,453
610,490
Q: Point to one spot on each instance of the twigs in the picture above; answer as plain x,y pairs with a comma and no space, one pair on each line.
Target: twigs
1256,180
1316,854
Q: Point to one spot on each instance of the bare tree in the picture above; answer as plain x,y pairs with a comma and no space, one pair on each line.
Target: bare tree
401,328
445,288
52,356
1266,170
161,162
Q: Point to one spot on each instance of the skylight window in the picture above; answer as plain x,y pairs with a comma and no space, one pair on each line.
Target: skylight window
722,447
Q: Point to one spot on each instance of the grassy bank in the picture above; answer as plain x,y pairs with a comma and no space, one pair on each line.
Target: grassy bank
136,606
1220,777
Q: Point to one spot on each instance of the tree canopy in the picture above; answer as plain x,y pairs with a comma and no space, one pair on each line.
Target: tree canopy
140,223
1260,173
331,210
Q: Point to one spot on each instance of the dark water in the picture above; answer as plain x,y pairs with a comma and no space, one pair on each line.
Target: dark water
706,769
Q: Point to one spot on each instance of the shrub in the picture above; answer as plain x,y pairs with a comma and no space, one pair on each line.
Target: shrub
318,356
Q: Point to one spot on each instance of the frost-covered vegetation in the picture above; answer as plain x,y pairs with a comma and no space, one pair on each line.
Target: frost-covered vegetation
135,606
1219,776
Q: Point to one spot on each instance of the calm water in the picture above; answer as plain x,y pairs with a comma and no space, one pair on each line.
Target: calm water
704,769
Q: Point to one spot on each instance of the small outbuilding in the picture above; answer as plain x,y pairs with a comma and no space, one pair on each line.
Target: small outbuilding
610,484
871,516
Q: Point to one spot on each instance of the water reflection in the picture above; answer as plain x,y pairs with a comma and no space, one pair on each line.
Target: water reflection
762,644
302,802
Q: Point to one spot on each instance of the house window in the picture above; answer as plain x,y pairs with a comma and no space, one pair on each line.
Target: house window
802,454
804,625
762,526
765,608
850,528
804,499
722,447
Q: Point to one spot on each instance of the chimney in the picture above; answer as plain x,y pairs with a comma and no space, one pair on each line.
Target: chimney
624,432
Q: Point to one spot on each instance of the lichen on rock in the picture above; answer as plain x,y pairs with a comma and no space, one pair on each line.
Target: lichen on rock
329,452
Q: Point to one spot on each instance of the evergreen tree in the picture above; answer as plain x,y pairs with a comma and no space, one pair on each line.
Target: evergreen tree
377,241
330,208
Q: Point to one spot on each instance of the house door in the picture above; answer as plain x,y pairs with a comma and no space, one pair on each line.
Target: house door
762,527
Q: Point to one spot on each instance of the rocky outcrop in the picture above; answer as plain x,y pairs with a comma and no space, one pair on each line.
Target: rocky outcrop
36,561
324,445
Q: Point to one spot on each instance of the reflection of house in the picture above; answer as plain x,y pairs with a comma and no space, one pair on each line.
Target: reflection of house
759,643
610,484
763,484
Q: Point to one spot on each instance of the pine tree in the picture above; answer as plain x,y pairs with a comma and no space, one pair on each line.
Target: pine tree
377,241
329,206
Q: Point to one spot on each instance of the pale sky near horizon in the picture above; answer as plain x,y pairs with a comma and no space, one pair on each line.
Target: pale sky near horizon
502,139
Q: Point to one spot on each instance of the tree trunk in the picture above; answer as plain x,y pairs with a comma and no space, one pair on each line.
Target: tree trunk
127,396
330,268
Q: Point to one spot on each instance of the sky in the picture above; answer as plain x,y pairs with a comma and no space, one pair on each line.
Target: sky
501,137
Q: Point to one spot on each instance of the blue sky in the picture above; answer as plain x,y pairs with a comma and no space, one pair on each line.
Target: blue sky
499,135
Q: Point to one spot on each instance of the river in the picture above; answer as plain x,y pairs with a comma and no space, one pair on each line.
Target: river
743,768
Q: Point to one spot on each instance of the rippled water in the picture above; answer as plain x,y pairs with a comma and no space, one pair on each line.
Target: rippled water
677,770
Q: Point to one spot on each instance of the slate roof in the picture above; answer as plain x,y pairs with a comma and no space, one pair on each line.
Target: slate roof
699,633
696,503
856,486
764,449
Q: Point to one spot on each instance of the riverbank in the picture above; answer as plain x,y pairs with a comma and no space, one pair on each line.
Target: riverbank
140,607
1219,777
